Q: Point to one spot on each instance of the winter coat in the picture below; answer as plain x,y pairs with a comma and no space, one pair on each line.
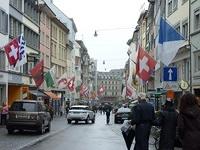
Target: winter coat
143,116
168,122
189,128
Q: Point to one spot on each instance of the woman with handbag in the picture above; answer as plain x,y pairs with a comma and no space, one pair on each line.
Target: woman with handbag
189,122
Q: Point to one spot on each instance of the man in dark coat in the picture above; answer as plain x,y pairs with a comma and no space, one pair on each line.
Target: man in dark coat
167,120
142,116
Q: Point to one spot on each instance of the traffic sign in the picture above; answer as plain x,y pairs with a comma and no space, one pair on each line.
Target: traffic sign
170,74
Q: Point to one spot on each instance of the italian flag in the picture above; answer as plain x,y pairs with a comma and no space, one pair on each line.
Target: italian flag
50,77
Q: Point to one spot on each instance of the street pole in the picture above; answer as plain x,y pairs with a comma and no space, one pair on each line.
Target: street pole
189,44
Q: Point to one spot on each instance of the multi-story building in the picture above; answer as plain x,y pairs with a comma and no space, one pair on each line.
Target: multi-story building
195,45
93,78
4,13
46,15
112,81
23,18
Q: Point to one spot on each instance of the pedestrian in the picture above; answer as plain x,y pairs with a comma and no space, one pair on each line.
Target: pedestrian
167,120
143,116
108,110
189,122
4,114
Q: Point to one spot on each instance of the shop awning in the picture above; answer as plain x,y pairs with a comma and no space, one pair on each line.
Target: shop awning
37,93
52,95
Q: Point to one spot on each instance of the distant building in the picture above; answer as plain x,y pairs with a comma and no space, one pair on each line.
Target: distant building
112,81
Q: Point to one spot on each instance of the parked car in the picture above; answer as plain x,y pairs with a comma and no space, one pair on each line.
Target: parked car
122,114
28,115
80,113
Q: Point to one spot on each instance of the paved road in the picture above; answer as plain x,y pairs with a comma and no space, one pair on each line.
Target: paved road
98,136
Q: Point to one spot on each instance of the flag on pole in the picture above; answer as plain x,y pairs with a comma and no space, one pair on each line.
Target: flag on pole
70,84
101,90
130,91
145,64
84,90
62,81
37,73
12,51
50,77
169,42
22,51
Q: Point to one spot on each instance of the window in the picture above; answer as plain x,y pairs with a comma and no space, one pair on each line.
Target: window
185,30
169,7
197,19
17,4
47,41
47,22
177,27
32,38
2,60
197,61
15,27
31,11
175,5
184,1
3,22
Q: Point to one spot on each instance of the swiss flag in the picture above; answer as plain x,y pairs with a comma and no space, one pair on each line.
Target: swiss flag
37,73
12,51
84,91
101,90
70,84
145,64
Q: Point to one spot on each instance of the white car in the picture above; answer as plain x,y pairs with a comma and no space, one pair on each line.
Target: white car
80,113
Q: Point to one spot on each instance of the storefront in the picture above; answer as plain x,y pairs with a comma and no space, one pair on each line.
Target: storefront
3,87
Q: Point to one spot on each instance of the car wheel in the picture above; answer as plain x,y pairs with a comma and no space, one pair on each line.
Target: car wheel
87,120
10,131
93,120
41,129
69,121
49,127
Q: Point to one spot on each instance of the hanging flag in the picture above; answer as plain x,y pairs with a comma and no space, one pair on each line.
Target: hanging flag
101,90
37,73
22,51
130,91
145,64
12,51
84,90
70,84
62,81
50,77
169,42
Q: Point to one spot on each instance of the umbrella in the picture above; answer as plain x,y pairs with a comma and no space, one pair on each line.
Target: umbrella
128,137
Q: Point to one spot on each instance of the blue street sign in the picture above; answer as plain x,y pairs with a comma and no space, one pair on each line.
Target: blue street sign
170,74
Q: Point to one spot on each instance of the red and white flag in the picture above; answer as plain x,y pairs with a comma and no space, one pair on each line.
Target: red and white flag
84,90
16,51
145,64
130,91
70,84
37,73
62,81
12,51
101,90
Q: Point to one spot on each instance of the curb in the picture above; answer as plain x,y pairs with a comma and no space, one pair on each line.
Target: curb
41,138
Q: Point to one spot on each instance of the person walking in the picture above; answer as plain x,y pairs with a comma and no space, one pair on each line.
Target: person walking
143,116
189,122
108,110
167,121
4,114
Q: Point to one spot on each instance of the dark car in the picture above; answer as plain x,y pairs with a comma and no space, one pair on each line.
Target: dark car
122,114
28,115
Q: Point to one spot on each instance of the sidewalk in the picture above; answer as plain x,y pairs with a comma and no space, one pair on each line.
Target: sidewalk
19,140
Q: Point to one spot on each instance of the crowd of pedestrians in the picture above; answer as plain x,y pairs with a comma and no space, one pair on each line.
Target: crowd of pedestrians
177,126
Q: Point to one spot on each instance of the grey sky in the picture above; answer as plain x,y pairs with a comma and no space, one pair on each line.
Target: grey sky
114,21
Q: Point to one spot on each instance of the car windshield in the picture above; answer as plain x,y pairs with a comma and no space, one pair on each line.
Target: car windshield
79,108
25,106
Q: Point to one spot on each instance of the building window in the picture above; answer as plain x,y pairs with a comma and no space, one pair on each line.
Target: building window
3,22
169,7
177,27
185,30
2,60
30,9
184,1
197,19
47,41
197,62
17,4
32,38
175,5
15,27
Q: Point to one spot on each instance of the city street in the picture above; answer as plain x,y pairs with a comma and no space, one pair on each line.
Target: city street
98,136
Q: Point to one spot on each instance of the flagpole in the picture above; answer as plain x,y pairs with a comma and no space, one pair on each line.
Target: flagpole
189,44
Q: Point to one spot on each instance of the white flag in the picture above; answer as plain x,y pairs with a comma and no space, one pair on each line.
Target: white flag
22,51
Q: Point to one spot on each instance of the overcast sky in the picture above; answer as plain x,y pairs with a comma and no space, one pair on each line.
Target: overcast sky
114,21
